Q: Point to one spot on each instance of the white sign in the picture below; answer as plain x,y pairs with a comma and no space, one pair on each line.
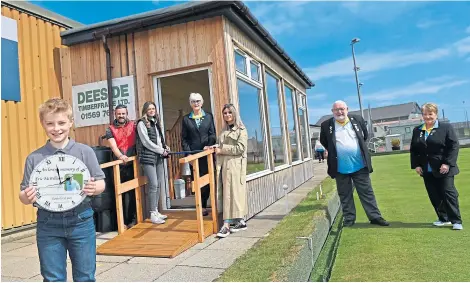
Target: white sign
90,101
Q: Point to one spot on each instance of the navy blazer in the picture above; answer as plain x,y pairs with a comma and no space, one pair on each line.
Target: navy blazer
328,140
441,147
194,138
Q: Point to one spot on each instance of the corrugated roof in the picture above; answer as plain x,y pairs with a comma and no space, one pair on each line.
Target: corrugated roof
381,113
235,11
39,12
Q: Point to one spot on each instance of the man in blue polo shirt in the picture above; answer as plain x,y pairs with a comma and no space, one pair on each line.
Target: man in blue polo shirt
345,136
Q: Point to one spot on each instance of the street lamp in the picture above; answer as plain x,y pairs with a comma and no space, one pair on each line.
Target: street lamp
358,85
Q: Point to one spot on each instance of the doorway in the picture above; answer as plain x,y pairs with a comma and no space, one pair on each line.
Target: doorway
171,93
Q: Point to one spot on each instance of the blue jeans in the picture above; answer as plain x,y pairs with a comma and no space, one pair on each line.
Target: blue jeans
72,231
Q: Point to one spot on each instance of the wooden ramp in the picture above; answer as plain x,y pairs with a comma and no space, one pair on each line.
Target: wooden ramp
179,233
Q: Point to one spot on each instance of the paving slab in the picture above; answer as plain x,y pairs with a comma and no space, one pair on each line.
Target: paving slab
233,244
207,241
112,258
190,274
29,250
16,279
213,258
26,268
31,240
100,268
127,272
13,246
166,261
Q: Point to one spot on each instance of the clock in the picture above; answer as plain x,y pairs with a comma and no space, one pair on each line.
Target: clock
59,180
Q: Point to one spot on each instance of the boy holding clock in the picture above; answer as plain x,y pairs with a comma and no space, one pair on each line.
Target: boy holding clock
64,218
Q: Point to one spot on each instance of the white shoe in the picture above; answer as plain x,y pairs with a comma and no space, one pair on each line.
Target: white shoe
162,216
440,223
457,226
155,219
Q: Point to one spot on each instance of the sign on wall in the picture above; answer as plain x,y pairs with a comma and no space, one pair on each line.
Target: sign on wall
90,101
10,64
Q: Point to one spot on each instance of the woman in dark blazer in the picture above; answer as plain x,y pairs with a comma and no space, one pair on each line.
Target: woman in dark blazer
434,150
198,133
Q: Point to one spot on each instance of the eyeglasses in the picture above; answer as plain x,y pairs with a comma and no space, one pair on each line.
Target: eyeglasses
228,105
195,101
338,109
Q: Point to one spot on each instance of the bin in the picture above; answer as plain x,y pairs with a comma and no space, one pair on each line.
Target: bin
180,188
104,204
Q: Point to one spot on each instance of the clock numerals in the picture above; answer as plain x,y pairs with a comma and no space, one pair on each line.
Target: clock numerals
73,202
83,170
82,193
38,195
48,162
35,184
74,161
60,205
62,158
47,204
38,171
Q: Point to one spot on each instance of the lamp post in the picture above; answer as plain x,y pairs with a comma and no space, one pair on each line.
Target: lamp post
466,115
354,41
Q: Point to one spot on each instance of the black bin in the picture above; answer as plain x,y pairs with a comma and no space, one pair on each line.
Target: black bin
104,204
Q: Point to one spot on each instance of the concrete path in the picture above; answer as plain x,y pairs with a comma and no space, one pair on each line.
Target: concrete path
202,263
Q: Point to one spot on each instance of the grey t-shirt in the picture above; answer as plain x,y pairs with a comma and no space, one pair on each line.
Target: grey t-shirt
79,150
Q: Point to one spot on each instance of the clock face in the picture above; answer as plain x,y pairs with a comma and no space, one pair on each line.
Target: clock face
59,180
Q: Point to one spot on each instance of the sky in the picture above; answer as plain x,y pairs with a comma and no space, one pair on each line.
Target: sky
408,51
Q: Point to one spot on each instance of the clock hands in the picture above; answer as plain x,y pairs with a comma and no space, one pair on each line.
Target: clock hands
66,179
58,173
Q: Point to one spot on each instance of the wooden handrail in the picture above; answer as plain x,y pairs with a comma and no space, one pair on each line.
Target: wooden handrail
193,157
119,188
198,183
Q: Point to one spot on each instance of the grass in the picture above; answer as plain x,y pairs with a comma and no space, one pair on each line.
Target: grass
410,249
269,255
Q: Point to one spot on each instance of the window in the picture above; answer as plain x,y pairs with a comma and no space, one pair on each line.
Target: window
274,110
254,71
303,125
375,129
407,130
240,62
250,104
290,107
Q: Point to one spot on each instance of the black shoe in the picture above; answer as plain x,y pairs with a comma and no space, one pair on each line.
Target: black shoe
224,232
205,212
239,226
348,223
379,221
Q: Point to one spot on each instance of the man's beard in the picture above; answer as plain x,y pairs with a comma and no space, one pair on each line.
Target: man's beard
121,121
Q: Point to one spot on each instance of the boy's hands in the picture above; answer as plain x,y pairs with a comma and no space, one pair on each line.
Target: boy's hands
28,195
90,187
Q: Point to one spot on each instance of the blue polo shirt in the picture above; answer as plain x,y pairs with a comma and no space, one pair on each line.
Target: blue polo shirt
349,153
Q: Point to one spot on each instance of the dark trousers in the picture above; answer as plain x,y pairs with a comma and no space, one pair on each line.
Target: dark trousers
444,197
321,155
361,179
129,206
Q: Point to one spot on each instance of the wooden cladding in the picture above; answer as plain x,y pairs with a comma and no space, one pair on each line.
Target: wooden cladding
148,53
40,79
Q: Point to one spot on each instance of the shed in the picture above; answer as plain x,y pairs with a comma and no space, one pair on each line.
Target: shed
216,48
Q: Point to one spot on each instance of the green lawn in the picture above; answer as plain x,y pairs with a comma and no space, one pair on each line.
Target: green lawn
265,261
410,249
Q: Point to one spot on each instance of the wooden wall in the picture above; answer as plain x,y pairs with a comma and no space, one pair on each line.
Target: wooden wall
152,52
39,65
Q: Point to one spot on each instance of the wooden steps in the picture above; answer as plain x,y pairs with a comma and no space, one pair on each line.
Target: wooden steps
178,234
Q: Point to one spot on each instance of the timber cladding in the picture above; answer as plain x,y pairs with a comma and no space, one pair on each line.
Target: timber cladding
147,53
40,79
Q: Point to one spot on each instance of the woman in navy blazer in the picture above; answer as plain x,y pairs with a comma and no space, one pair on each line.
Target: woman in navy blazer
433,152
198,133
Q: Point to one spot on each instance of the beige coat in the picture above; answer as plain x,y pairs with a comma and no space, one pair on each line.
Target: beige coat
231,172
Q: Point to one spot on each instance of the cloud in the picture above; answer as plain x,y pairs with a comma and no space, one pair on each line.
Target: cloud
373,62
429,23
428,86
463,46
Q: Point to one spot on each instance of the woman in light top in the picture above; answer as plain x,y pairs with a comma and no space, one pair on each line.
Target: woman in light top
231,171
151,149
320,151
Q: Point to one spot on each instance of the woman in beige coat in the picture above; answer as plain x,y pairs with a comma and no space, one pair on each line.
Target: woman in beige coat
231,171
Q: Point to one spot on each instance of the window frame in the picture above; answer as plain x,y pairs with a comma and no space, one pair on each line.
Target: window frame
282,118
303,98
262,100
296,121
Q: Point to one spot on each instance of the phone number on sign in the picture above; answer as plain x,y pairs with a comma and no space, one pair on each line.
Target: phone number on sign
95,114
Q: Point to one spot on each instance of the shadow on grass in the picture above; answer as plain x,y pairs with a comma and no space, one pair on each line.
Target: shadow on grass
392,225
